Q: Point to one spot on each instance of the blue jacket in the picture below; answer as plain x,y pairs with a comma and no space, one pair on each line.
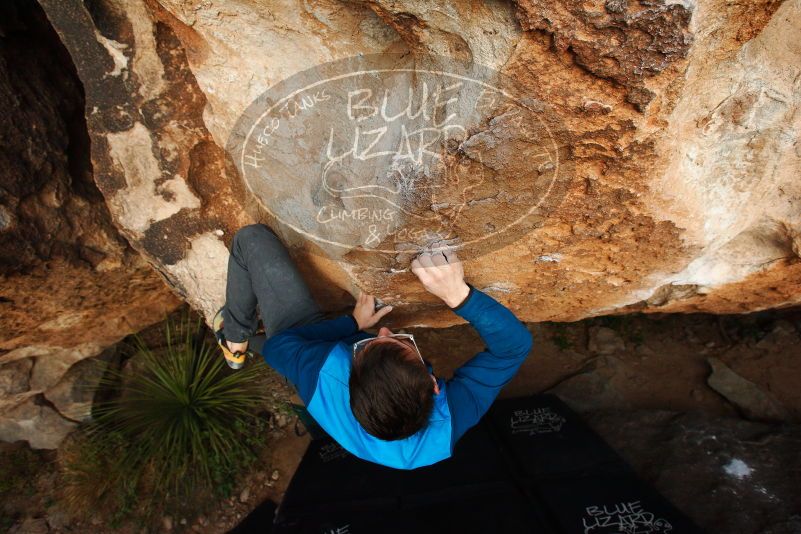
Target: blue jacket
316,358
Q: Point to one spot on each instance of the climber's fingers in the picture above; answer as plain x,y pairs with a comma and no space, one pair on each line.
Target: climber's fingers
424,260
438,259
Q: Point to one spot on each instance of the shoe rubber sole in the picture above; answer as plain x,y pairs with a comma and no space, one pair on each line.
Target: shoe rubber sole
235,360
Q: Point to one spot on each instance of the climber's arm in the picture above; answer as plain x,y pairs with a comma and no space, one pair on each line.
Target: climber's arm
299,353
476,384
342,328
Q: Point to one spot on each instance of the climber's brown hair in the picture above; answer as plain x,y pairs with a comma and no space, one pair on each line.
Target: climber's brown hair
391,393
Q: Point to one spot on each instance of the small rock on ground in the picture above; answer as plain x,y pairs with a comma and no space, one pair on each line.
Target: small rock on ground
750,399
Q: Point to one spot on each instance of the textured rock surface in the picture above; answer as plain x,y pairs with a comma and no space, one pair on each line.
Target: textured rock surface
605,341
744,394
680,120
73,394
69,283
34,421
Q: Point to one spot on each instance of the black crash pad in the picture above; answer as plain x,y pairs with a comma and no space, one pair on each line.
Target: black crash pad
530,465
544,438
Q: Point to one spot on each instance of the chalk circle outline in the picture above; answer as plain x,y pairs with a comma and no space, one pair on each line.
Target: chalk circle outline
554,151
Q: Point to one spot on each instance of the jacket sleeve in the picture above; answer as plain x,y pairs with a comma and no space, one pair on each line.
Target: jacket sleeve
476,384
299,353
330,330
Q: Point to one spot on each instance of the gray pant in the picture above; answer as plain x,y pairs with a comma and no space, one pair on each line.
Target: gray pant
260,272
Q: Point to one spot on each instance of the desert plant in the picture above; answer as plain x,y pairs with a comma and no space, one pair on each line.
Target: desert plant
180,427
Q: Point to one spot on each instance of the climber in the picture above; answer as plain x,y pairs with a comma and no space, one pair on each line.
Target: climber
374,394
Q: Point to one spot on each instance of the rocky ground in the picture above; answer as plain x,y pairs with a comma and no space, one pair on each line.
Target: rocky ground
706,408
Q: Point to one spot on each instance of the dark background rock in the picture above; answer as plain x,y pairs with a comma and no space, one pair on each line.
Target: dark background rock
70,284
753,402
689,458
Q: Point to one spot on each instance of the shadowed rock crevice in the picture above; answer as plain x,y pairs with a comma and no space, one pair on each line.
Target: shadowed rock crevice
52,156
70,284
624,42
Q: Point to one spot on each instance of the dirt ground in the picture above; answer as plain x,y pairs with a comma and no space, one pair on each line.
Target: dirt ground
641,381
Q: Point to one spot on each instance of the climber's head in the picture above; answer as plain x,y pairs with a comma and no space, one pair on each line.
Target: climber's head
391,390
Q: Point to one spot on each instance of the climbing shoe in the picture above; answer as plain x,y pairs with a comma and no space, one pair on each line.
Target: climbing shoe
235,360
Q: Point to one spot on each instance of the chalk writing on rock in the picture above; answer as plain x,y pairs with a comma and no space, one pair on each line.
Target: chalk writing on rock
384,154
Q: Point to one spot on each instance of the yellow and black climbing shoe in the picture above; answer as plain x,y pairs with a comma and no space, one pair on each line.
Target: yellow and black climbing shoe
235,360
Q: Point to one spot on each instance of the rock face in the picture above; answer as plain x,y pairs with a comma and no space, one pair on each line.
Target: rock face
69,283
744,394
675,126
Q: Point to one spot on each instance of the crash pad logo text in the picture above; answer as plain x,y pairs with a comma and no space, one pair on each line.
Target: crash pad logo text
535,421
623,518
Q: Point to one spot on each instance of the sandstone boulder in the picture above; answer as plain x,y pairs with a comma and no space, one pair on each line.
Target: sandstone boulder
70,285
73,395
15,377
675,126
34,421
753,402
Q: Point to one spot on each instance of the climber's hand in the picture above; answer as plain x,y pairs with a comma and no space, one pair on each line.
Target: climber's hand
365,313
442,274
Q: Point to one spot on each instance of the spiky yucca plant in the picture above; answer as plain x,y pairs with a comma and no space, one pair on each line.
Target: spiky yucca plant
181,426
